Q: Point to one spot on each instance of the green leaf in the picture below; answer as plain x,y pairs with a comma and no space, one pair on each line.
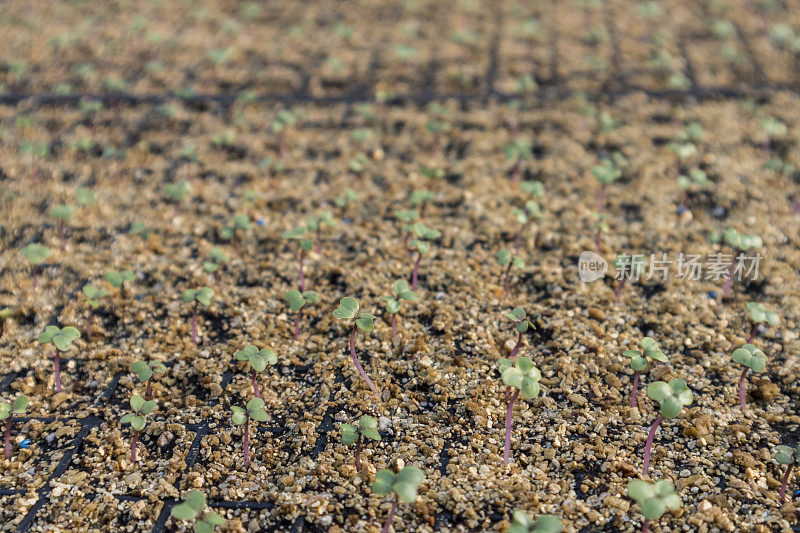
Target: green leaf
214,518
259,414
126,418
201,526
503,257
204,295
371,433
421,246
136,402
295,233
411,475
348,308
183,511
653,508
258,362
784,454
148,406
245,353
311,297
188,295
36,253
671,407
384,481
196,500
547,524
48,334
295,299
638,363
658,391
392,306
142,370
158,367
62,212
365,322
406,492
238,416
255,403
512,377
529,387
242,222
349,434
640,490
269,356
650,349
138,422
19,405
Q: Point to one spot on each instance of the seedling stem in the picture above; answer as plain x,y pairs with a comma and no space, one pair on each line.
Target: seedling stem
360,369
649,444
392,512
509,411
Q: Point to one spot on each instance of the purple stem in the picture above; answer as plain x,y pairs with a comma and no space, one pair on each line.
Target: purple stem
513,172
57,368
416,271
601,198
752,334
302,271
598,239
148,391
35,276
317,246
646,525
729,281
516,346
507,450
133,446
506,292
742,391
246,443
394,325
256,390
518,239
7,441
389,518
405,245
620,286
785,480
358,453
194,324
635,389
358,365
649,443
297,324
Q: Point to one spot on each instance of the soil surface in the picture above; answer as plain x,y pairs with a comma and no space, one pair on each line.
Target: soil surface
125,100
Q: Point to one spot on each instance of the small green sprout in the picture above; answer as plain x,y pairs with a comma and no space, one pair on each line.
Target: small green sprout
36,254
137,228
672,397
367,427
790,457
194,508
216,257
258,361
254,410
137,419
530,211
62,339
683,149
297,302
93,296
284,119
522,523
175,192
524,377
348,310
7,412
306,240
85,196
650,350
599,226
314,224
203,296
404,485
421,197
62,213
407,217
144,370
759,314
654,499
518,151
607,172
349,196
752,359
232,232
521,324
433,173
118,279
694,177
401,292
421,246
742,244
506,259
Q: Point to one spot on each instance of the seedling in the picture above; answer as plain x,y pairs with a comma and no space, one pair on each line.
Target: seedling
258,361
752,359
407,217
284,120
367,427
301,234
741,244
639,360
421,246
694,179
175,192
517,151
203,296
62,213
194,508
524,377
254,410
62,339
315,223
36,255
85,196
627,266
506,259
216,257
349,196
421,197
118,279
138,419
522,523
145,370
7,412
348,310
239,223
530,211
654,499
599,227
404,485
606,173
759,314
785,455
93,296
672,397
401,292
521,324
297,301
